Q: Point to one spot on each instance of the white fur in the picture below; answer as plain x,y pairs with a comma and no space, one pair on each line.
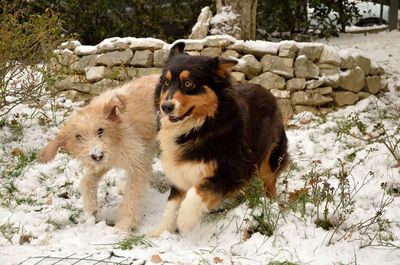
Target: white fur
168,221
192,208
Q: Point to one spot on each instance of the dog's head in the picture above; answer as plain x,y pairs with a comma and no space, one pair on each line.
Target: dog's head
189,85
90,135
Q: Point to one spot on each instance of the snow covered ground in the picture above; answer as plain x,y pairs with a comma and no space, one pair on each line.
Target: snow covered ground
42,222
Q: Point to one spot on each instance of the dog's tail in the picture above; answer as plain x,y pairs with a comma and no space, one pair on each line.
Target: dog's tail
279,157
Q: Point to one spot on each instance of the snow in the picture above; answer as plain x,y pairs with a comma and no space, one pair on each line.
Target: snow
54,189
85,50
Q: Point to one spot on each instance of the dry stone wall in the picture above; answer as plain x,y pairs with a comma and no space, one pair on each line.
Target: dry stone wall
303,76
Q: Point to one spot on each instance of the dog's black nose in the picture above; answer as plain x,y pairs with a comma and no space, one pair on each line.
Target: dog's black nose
167,107
97,157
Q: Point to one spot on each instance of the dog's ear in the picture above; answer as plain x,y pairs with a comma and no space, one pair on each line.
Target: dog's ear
114,107
224,66
178,48
50,150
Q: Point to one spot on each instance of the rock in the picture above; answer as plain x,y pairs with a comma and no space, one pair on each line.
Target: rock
299,109
312,51
278,93
286,108
75,95
305,68
146,44
331,80
238,77
248,65
363,95
202,26
103,85
330,56
352,79
69,82
364,63
96,73
160,57
288,49
85,62
115,57
237,46
277,65
346,60
326,69
142,58
66,57
322,90
230,54
148,71
211,51
314,83
376,70
191,45
193,53
343,98
310,99
269,80
385,85
260,48
85,50
123,73
372,84
70,45
220,41
296,84
112,44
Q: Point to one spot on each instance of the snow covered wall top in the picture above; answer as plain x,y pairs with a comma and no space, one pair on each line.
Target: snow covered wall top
303,76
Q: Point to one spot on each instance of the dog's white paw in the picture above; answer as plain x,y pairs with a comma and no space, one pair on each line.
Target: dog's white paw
90,208
124,225
192,208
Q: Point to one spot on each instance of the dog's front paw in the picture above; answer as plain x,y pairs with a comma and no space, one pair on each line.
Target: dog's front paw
192,208
90,208
124,225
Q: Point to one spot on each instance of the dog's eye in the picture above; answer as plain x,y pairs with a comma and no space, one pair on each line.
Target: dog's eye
188,84
166,82
78,137
100,132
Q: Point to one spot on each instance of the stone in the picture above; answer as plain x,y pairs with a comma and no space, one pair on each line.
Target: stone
112,44
278,93
75,95
299,109
331,80
96,73
146,44
322,90
372,84
269,80
312,51
190,45
363,95
220,41
193,53
376,70
296,84
314,83
230,54
346,60
69,82
115,57
288,49
326,69
123,73
248,65
330,56
70,45
143,58
305,68
200,29
85,50
286,108
238,46
211,51
352,79
344,98
385,85
66,57
238,77
85,62
148,71
310,99
259,48
277,65
160,57
364,63
103,85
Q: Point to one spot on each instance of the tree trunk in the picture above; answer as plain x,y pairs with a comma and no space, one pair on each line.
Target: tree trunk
247,10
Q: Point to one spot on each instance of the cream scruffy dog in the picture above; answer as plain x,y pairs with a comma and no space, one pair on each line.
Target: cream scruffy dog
116,130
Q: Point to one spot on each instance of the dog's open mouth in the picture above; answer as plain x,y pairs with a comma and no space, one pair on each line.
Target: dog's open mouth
179,118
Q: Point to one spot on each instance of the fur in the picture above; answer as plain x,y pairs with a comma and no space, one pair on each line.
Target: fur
116,130
213,136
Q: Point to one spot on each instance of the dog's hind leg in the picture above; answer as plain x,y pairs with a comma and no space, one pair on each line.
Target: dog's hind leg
168,221
267,176
88,187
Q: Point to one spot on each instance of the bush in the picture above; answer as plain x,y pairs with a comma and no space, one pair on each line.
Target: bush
27,42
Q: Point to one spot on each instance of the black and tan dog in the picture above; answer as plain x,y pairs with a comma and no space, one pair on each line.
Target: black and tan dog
214,137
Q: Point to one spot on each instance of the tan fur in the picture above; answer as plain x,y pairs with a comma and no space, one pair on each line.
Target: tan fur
184,74
267,176
128,142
